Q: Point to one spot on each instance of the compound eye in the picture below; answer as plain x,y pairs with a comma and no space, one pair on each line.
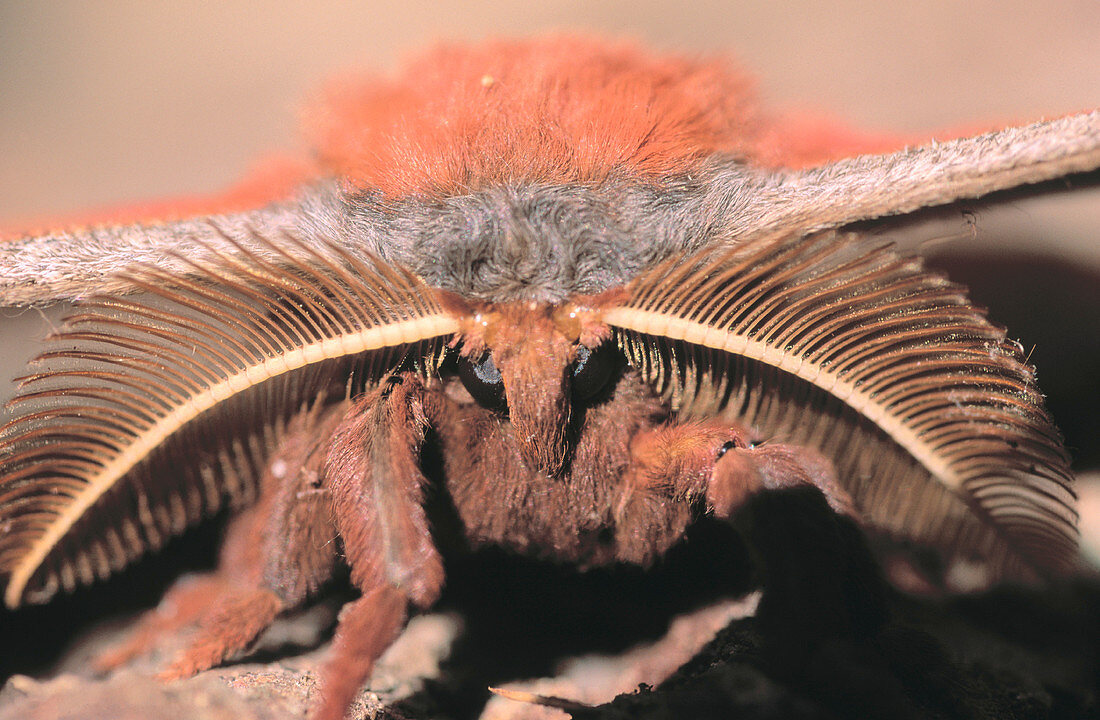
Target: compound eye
592,370
482,379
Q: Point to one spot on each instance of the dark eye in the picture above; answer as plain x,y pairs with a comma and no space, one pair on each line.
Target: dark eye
592,369
482,379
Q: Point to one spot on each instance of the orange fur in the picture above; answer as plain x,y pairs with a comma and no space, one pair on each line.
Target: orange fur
553,109
559,109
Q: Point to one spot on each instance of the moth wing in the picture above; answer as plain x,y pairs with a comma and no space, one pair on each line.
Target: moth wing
759,203
41,269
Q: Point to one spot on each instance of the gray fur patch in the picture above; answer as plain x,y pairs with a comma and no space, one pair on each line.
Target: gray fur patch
534,242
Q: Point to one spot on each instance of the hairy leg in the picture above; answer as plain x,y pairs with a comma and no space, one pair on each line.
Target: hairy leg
230,624
372,473
717,462
367,627
275,554
180,608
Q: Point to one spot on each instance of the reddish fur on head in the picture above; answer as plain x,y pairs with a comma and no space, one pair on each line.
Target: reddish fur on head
553,109
556,109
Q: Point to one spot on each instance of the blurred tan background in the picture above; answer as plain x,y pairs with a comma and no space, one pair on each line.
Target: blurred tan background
116,101
113,102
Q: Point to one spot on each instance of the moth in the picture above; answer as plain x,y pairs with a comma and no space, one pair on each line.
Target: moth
612,293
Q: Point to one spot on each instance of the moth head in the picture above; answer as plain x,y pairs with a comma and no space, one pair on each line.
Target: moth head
534,365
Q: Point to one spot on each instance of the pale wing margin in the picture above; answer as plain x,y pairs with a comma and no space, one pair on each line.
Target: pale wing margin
149,414
830,320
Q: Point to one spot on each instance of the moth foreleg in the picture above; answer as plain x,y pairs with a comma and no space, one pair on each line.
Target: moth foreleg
180,608
367,627
233,621
204,610
376,487
275,554
719,462
741,469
